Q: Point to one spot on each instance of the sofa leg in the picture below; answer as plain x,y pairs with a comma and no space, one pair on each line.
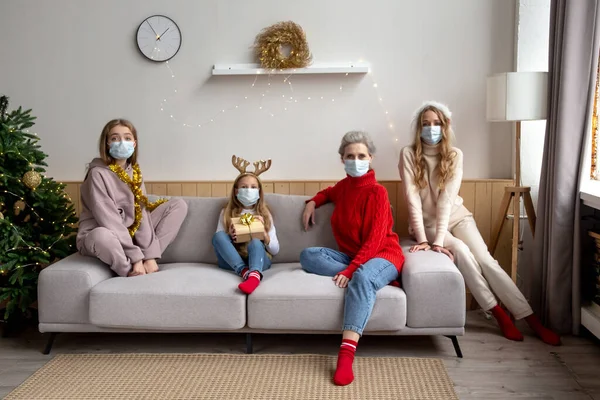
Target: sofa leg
248,343
456,346
49,343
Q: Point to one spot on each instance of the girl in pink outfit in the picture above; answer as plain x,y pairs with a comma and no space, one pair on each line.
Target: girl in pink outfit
118,224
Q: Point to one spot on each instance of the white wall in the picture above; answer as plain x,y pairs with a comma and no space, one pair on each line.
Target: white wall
533,31
76,64
531,54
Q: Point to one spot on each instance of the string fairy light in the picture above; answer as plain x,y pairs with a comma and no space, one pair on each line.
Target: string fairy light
262,96
17,235
24,202
390,123
292,99
20,237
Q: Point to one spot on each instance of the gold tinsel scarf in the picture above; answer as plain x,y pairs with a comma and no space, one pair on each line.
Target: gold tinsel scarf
140,199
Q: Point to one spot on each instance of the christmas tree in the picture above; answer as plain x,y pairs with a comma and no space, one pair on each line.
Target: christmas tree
37,219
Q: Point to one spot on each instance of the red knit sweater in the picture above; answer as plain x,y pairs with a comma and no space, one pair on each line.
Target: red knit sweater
362,221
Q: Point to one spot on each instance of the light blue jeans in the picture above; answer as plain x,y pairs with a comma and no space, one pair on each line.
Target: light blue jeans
362,288
229,258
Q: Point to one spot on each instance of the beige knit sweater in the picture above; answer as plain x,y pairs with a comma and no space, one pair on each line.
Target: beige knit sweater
431,209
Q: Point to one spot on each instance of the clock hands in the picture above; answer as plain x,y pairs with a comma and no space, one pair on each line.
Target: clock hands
157,36
160,27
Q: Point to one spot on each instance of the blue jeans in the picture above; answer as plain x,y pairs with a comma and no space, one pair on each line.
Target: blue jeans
229,258
362,288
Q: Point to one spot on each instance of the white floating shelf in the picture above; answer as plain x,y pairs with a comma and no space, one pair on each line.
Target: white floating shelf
317,68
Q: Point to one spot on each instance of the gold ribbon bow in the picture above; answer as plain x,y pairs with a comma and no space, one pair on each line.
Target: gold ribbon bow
247,219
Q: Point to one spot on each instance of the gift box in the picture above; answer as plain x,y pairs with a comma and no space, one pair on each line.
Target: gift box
247,227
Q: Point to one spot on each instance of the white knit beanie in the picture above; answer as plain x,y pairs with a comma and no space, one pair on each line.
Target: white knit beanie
442,107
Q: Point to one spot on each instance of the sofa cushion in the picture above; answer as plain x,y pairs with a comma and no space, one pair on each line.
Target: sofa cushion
289,298
287,213
435,289
193,243
64,289
179,297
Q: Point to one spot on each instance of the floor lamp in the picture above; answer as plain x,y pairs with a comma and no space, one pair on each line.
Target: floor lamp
516,96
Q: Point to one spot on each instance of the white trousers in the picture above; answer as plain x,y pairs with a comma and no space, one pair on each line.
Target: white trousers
482,273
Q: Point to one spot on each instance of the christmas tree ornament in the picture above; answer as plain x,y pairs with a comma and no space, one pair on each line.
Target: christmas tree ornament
271,41
32,179
1,215
18,207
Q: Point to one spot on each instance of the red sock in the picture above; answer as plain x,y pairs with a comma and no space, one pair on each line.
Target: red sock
251,282
509,330
542,332
245,273
343,373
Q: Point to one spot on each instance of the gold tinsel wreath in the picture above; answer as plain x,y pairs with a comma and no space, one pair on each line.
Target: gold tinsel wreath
269,41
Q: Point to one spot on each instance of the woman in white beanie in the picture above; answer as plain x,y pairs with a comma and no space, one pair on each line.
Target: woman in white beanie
431,170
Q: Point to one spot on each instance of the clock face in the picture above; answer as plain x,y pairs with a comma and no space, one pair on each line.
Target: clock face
159,38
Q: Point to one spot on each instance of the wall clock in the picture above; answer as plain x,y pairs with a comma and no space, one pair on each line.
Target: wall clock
158,38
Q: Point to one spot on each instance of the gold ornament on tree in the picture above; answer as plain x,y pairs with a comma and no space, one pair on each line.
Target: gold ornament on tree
269,44
32,179
18,207
1,215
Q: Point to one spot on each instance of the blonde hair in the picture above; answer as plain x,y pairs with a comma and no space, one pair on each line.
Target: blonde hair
446,167
234,208
103,146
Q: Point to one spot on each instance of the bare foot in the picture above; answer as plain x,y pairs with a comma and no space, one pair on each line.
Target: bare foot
150,266
137,269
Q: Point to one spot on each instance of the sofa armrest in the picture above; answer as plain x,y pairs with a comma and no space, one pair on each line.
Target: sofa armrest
435,290
64,289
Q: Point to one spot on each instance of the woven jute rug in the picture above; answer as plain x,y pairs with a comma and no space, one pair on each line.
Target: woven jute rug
233,377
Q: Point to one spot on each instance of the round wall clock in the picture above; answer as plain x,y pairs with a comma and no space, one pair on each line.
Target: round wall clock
158,38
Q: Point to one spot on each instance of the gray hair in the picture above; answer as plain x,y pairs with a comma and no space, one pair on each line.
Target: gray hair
353,137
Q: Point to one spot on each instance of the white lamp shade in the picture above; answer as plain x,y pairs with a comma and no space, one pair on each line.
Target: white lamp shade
517,96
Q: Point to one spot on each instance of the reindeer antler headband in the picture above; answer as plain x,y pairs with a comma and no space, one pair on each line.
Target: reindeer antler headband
259,166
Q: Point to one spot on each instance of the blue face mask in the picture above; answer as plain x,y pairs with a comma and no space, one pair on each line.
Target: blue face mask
431,135
121,150
248,196
356,168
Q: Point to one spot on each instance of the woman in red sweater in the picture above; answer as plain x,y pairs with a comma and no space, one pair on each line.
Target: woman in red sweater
370,255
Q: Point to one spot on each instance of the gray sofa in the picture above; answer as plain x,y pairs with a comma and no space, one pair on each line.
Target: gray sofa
191,294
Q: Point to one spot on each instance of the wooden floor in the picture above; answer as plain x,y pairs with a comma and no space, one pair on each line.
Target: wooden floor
492,367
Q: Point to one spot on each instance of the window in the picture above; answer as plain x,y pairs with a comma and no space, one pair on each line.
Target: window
594,168
589,180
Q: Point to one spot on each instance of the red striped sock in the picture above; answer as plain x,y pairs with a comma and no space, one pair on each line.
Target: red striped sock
343,373
250,283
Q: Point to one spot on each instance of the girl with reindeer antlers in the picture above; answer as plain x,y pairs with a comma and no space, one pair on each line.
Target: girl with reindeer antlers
247,197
